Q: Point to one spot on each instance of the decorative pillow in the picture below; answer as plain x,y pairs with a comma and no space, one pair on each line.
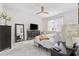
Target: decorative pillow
76,40
43,37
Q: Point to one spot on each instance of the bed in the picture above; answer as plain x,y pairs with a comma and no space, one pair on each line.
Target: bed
48,40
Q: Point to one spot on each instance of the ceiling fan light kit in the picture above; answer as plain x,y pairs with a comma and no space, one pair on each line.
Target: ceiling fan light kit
42,12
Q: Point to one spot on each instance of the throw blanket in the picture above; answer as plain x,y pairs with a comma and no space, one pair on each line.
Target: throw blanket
42,37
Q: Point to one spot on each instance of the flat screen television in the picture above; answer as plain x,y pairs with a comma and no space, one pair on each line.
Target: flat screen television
33,27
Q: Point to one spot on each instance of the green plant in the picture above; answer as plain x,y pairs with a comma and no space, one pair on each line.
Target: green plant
5,17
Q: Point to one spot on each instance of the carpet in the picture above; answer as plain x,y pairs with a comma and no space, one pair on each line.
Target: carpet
25,48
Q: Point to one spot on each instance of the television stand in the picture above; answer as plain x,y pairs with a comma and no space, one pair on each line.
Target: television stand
32,33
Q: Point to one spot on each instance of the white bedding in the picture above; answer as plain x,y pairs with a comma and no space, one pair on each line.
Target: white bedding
52,42
47,43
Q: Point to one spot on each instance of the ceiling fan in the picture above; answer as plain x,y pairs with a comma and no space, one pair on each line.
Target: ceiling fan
42,11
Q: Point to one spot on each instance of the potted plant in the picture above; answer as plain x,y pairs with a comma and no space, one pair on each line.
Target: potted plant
5,17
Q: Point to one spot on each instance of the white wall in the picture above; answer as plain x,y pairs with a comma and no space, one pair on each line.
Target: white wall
1,8
69,17
21,16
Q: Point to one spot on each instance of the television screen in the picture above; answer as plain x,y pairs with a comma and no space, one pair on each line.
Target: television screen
33,27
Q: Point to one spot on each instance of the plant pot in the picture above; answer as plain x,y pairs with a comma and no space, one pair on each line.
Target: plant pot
3,22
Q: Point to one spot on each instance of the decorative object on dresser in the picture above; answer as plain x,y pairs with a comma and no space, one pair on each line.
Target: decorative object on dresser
5,37
32,33
4,17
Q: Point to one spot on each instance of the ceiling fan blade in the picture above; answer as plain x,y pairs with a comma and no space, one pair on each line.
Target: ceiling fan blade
38,12
42,12
45,12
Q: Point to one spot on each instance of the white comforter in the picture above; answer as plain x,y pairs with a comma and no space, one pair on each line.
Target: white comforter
46,43
51,43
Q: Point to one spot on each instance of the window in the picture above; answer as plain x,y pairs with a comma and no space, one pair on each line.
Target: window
55,25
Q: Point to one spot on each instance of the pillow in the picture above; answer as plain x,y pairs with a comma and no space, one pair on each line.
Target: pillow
43,37
57,36
76,40
50,35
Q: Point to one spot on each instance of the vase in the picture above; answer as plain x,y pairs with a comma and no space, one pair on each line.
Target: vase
3,22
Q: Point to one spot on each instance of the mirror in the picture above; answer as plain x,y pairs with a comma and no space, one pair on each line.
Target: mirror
19,32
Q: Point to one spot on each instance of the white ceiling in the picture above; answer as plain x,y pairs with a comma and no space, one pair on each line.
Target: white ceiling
33,8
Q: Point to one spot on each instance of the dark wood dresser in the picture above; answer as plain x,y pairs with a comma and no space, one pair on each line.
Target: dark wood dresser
32,33
5,37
